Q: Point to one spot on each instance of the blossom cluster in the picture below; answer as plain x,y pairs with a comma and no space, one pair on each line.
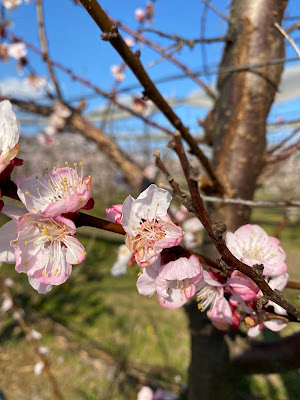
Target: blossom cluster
41,236
175,276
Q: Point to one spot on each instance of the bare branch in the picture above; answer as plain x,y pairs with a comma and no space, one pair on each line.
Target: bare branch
265,357
179,39
104,23
214,9
141,38
44,46
284,154
293,27
252,203
284,141
95,88
288,38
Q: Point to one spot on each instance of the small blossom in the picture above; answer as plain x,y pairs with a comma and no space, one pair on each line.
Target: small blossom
117,72
35,82
11,4
35,335
59,191
8,282
6,305
16,50
140,15
146,393
141,106
148,227
38,368
244,286
120,266
9,134
43,350
129,41
251,245
174,282
114,214
46,248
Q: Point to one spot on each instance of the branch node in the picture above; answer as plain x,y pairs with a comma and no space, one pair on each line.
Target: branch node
218,229
223,266
259,268
137,54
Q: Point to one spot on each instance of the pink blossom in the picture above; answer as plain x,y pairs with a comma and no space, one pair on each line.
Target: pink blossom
244,286
117,72
46,248
141,106
129,41
45,140
59,191
114,214
9,134
174,282
16,50
35,82
251,245
145,393
148,227
140,15
11,4
120,266
211,295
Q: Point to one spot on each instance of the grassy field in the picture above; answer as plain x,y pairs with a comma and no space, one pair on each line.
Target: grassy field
105,339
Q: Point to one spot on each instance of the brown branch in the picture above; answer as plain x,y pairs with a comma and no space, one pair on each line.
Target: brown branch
89,84
252,203
265,357
284,154
293,27
141,38
179,39
111,34
214,9
288,38
44,46
27,331
215,231
284,141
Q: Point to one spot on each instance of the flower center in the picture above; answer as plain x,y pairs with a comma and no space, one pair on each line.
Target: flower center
149,232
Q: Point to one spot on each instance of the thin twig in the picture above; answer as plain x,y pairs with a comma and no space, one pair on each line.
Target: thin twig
284,141
288,38
214,9
293,27
245,67
95,88
27,331
213,230
284,154
141,38
44,46
110,33
252,203
179,39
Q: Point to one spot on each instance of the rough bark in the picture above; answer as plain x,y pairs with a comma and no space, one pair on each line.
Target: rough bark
236,128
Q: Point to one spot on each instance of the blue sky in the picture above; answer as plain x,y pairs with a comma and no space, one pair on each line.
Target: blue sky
75,42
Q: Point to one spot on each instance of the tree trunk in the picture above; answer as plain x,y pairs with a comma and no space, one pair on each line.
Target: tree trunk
236,129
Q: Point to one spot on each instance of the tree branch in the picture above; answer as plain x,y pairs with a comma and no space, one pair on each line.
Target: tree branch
179,39
141,38
265,357
111,33
95,88
44,46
